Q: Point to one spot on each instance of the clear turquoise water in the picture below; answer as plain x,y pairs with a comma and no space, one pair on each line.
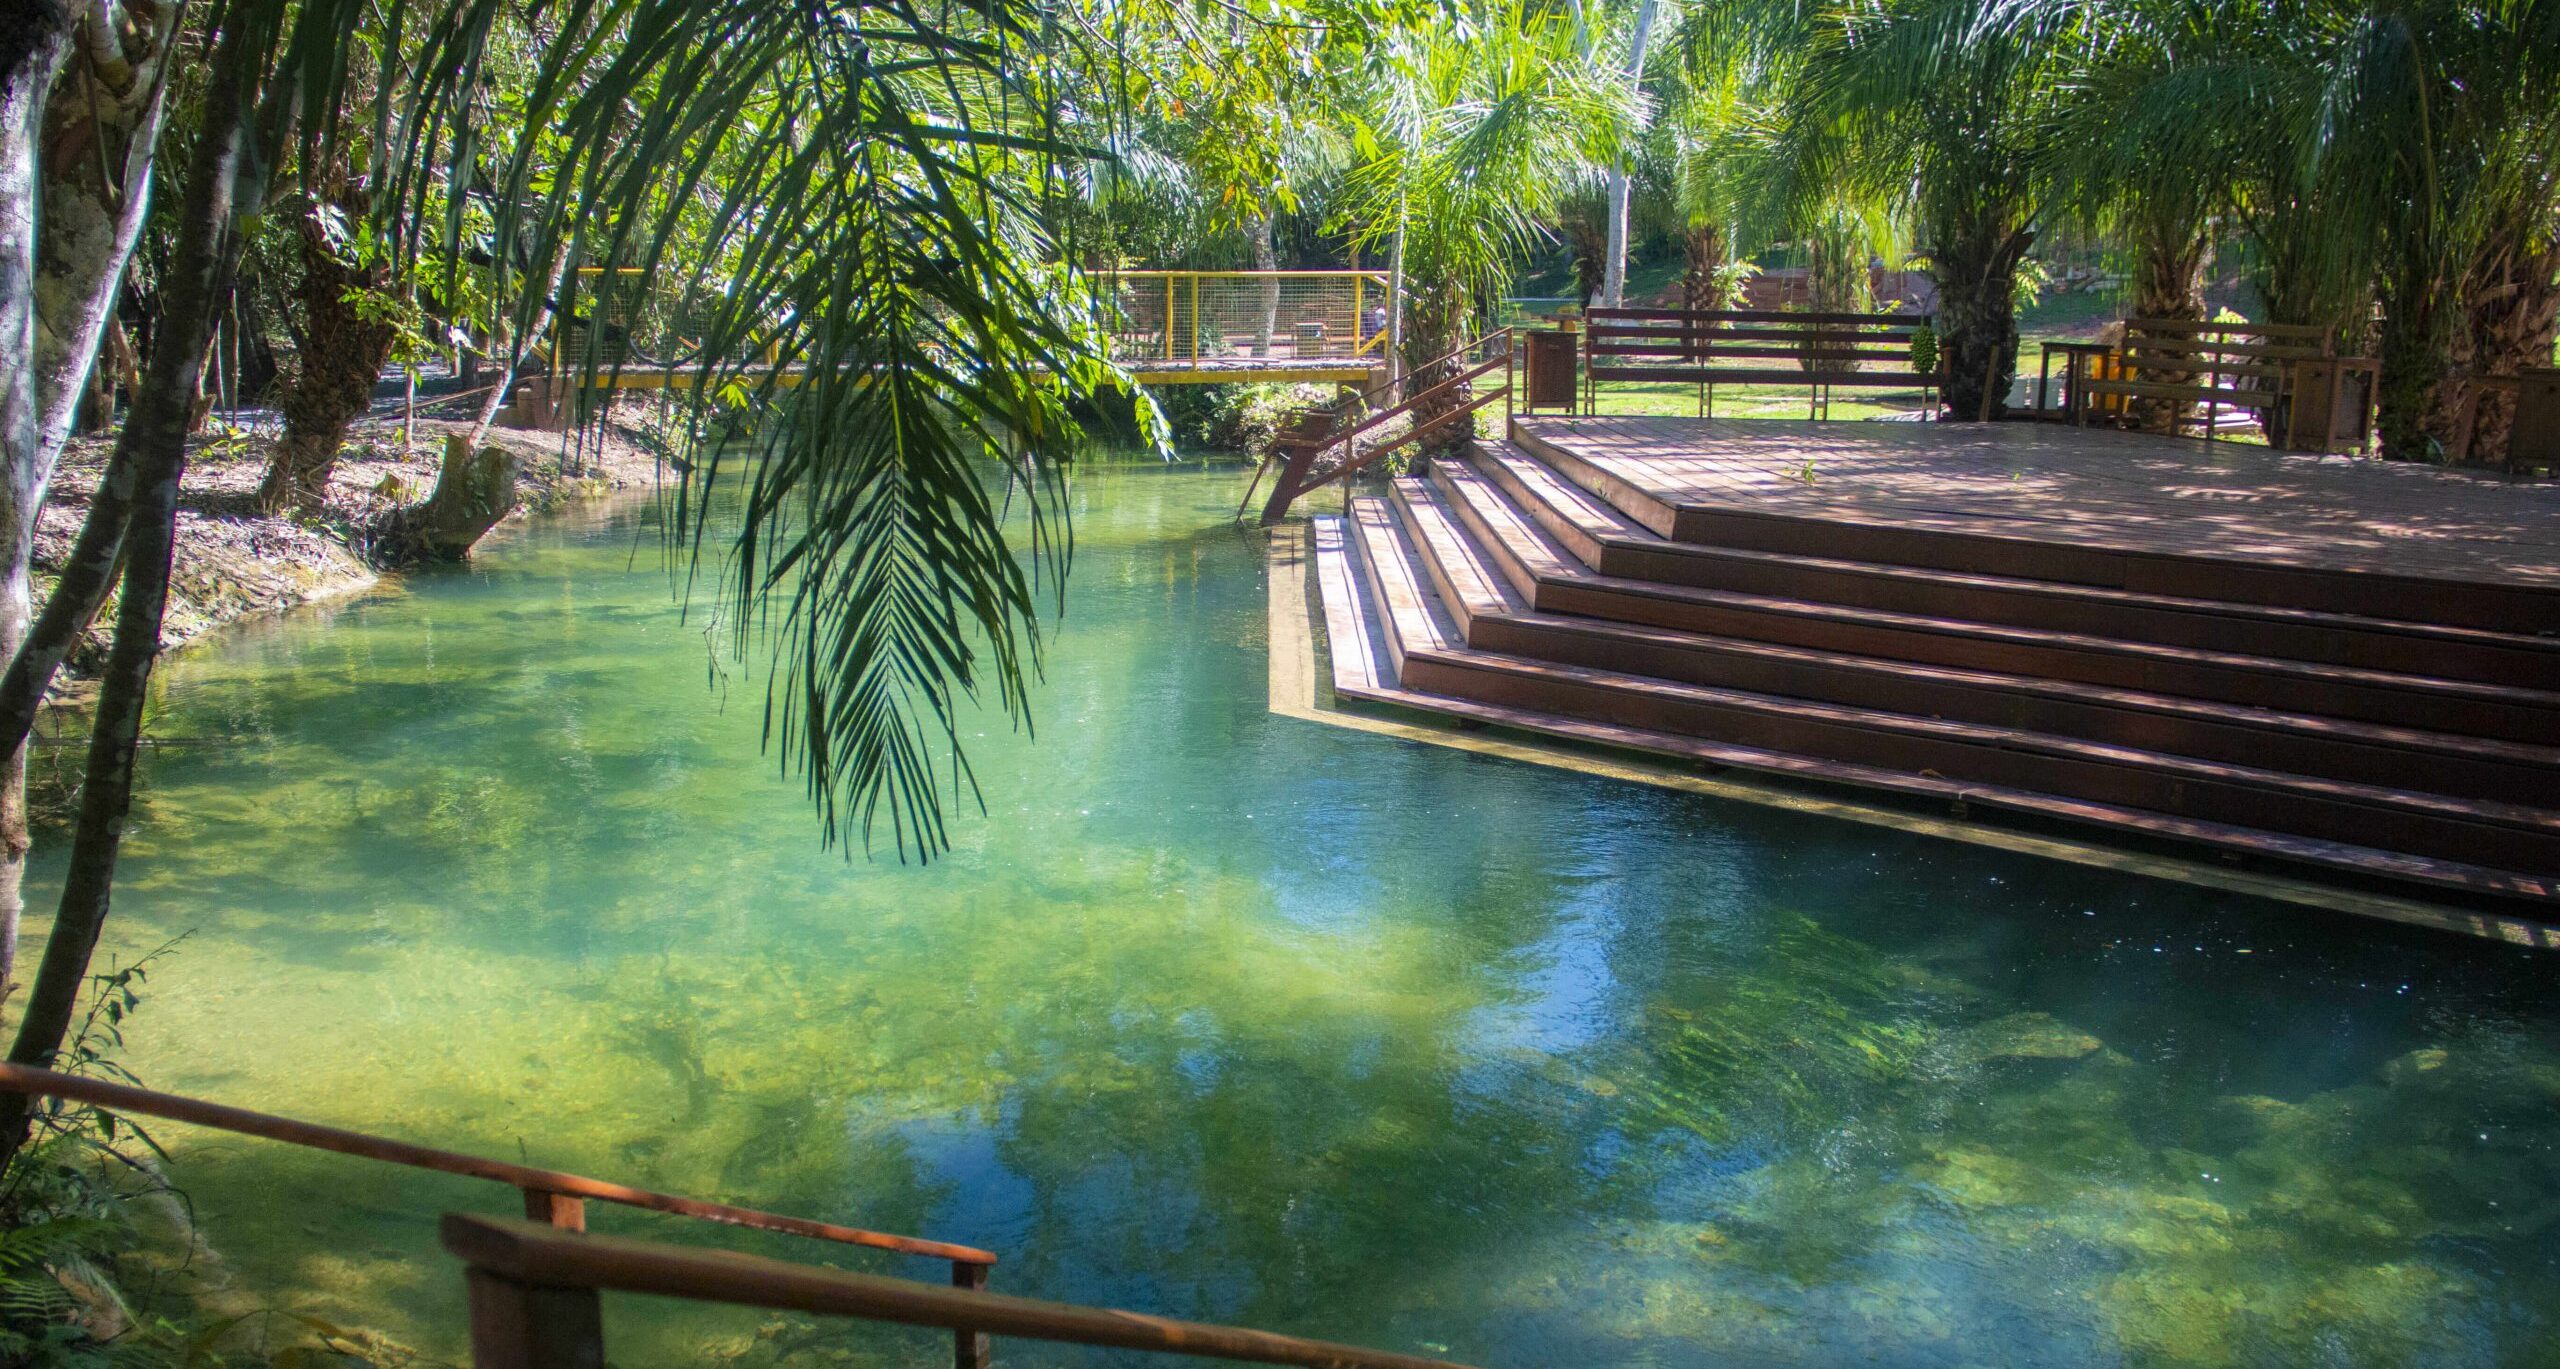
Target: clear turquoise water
1233,1016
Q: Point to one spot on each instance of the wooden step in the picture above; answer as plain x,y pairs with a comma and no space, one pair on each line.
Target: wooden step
2333,748
2001,550
2470,831
1361,674
1555,581
1607,541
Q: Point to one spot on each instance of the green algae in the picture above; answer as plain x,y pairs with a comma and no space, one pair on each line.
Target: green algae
1220,1014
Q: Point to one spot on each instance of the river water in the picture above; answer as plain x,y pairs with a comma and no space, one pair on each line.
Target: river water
1233,1016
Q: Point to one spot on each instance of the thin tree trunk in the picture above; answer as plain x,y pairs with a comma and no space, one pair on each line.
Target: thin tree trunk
154,447
1613,287
28,78
1395,302
523,342
1267,320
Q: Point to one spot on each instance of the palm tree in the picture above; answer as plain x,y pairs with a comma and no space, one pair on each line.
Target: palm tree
1469,135
1942,105
2436,122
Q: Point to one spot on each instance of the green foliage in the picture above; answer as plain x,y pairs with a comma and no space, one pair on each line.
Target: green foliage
1924,350
1237,418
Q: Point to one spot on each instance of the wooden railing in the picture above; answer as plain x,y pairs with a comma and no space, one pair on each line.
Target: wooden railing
1305,470
552,1197
535,1302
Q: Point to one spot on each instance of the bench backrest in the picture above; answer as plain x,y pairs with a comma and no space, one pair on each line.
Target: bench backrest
1813,347
2232,351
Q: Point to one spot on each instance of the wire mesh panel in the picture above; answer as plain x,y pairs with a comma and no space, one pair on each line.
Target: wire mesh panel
1242,316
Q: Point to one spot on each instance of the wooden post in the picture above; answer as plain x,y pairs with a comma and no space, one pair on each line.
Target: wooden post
555,1210
970,1349
522,1326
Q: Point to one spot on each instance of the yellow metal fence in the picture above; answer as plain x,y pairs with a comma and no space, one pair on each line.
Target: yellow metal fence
1213,316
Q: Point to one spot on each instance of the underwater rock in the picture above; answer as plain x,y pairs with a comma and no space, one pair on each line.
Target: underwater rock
2407,1068
2028,1036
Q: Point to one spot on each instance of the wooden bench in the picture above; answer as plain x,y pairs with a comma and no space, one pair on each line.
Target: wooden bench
1752,347
2291,372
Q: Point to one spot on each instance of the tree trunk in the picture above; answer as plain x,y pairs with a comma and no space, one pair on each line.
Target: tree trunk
2416,340
475,490
1975,266
2511,313
108,108
1267,320
1613,289
1437,328
521,342
153,452
1395,300
2169,284
46,39
343,353
1702,278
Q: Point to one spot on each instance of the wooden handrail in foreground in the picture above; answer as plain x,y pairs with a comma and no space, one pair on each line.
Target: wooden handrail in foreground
534,1302
536,1184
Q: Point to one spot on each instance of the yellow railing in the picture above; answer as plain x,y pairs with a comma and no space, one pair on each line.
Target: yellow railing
1208,317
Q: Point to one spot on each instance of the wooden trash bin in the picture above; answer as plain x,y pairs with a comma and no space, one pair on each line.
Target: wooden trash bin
1551,383
2535,440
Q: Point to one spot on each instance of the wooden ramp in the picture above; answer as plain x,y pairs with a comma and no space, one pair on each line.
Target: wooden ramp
2339,670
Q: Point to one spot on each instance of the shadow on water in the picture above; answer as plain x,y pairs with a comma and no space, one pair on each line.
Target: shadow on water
1228,1015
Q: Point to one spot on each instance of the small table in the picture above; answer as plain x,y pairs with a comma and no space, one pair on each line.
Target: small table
2073,354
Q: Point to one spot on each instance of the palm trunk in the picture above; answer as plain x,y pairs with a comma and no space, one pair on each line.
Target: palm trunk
343,354
27,79
2511,313
2169,284
1975,266
2415,343
1437,328
1702,277
153,450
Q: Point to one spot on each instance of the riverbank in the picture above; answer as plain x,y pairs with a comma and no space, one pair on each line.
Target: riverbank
234,562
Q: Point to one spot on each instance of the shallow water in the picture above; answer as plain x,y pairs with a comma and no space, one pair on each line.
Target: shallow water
1233,1016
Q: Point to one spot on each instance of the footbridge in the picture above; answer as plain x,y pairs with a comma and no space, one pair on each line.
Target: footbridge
1168,327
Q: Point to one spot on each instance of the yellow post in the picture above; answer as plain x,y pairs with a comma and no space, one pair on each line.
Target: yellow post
1195,318
1168,314
1359,316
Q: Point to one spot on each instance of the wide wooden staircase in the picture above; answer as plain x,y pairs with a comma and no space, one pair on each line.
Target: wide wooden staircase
1525,588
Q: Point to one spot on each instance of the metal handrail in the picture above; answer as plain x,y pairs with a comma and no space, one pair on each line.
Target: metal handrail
534,1302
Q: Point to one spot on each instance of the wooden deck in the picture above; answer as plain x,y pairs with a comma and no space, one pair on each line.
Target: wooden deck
2354,675
2093,506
